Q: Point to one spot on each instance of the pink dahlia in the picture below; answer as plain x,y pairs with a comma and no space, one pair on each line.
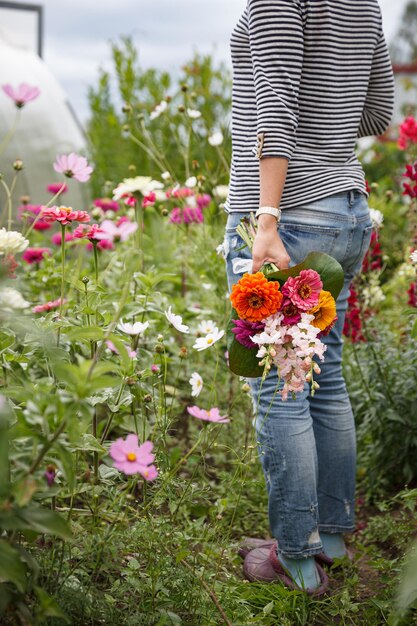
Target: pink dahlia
131,458
73,166
244,330
187,215
48,306
116,232
106,204
23,94
55,188
63,215
304,289
212,415
56,238
35,255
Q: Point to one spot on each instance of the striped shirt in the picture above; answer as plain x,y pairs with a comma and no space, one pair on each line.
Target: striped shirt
309,78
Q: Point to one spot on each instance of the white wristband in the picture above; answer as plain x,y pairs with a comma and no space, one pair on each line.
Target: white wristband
269,210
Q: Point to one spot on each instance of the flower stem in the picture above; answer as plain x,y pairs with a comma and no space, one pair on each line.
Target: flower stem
62,268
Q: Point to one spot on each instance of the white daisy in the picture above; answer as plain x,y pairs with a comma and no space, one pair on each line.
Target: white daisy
176,321
193,113
196,383
201,343
159,109
216,139
138,184
207,326
133,329
191,182
377,218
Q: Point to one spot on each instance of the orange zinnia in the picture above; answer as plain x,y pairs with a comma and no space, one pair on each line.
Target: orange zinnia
325,311
255,298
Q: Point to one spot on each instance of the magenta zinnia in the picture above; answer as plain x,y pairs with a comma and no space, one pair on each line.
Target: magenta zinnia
35,255
244,330
304,289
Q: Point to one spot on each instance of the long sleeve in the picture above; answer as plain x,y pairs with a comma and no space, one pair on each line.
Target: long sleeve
276,46
379,103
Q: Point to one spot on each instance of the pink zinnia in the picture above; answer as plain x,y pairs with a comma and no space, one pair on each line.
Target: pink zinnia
23,94
48,306
89,231
57,238
55,188
304,289
64,215
35,255
116,232
106,204
187,215
73,166
131,458
203,201
212,415
244,330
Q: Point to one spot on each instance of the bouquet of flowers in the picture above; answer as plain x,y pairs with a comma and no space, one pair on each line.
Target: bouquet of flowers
279,317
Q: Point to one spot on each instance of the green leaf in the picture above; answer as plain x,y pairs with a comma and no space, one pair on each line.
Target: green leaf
11,567
242,361
330,270
89,443
48,607
46,521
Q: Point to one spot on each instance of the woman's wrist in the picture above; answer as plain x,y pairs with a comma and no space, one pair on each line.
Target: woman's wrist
267,222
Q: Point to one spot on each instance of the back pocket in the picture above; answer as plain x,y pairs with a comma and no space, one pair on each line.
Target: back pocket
301,239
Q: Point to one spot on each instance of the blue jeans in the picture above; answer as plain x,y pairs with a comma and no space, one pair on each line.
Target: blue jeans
307,446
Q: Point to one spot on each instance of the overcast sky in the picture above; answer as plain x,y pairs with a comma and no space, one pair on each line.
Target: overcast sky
77,34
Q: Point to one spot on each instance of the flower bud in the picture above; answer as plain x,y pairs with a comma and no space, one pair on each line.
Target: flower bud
160,337
126,108
183,353
245,387
25,199
193,95
195,164
181,109
147,398
159,348
374,185
85,280
132,168
18,165
389,193
125,128
131,380
165,212
184,87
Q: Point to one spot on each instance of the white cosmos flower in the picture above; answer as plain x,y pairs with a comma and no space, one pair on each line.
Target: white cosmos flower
413,257
165,175
201,343
176,321
207,326
196,383
377,218
133,329
193,113
216,139
12,242
191,182
139,184
221,191
11,299
159,109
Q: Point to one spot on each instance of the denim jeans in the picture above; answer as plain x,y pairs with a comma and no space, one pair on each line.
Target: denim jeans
307,446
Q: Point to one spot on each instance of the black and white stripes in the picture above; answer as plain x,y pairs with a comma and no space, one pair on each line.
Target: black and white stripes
309,78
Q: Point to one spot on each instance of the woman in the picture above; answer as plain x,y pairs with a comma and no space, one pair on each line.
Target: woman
309,78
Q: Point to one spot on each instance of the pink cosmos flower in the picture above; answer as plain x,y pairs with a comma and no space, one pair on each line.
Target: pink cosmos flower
180,192
56,238
23,94
48,306
244,330
35,255
131,458
64,215
149,199
54,188
116,232
212,415
34,209
73,166
304,289
112,347
106,204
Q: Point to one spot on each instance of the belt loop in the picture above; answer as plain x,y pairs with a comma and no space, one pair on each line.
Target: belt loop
351,197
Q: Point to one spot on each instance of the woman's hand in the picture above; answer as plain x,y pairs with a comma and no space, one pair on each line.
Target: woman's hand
268,246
